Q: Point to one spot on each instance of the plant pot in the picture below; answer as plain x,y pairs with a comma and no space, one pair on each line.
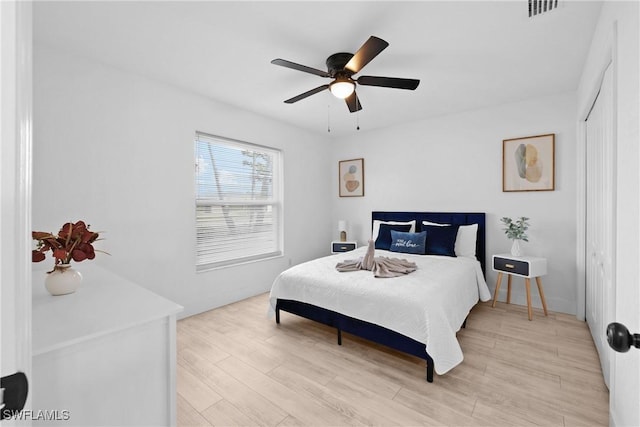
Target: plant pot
516,249
62,280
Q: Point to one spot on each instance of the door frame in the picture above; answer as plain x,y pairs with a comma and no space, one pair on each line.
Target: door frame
622,402
15,186
608,293
606,60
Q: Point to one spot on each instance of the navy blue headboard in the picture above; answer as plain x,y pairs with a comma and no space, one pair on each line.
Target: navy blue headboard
459,218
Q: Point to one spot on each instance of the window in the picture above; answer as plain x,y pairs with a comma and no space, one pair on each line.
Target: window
238,202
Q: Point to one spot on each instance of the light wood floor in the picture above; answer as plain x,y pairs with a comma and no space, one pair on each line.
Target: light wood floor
237,367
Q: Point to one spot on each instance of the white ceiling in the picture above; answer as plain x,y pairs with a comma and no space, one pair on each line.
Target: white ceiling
467,55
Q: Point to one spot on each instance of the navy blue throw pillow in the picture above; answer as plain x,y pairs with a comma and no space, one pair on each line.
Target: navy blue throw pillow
441,240
408,243
383,241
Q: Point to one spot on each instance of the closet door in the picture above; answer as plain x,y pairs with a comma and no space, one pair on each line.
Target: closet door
600,191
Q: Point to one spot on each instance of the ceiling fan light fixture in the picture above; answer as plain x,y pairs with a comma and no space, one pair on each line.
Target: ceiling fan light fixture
342,88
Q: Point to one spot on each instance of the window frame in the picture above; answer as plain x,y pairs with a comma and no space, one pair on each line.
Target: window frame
276,201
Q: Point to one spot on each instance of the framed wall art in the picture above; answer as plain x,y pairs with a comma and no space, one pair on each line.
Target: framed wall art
528,164
351,178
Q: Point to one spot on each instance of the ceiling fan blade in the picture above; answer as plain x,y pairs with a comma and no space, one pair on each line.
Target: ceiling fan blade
353,102
294,66
306,94
369,50
392,82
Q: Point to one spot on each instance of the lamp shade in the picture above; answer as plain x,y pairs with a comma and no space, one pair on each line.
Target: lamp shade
342,230
342,88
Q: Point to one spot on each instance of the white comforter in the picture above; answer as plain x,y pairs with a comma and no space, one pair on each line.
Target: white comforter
428,305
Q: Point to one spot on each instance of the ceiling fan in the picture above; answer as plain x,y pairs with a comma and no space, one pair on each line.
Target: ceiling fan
342,66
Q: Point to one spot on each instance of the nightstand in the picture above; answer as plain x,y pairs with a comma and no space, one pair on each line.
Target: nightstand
337,247
524,266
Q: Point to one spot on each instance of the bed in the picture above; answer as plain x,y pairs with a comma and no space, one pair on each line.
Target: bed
418,313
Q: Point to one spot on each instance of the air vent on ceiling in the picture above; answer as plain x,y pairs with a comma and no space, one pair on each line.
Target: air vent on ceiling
536,7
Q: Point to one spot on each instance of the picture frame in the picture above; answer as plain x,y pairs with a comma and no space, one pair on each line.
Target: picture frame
528,163
351,178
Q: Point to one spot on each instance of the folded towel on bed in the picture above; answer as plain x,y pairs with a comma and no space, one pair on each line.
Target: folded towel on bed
382,267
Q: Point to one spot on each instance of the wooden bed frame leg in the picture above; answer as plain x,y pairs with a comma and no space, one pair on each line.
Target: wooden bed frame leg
277,315
429,372
339,337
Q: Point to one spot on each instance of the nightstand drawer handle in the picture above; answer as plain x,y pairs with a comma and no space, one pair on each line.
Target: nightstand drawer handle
343,247
510,266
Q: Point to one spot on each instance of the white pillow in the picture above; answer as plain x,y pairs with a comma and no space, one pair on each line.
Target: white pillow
465,240
376,226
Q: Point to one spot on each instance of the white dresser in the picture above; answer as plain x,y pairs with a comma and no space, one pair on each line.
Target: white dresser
104,355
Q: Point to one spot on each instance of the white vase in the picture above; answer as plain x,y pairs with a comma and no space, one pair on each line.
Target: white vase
62,280
516,249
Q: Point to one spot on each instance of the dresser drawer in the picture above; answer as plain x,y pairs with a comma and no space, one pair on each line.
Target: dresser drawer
511,266
343,246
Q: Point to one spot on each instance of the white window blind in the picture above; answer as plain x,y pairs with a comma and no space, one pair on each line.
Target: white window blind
238,202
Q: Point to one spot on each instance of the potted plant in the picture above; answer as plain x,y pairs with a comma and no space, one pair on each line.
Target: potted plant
74,242
516,231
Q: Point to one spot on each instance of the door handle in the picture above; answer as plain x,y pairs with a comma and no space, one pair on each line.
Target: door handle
620,339
14,390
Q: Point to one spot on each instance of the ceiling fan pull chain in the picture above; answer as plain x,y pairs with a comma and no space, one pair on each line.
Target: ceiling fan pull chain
328,118
358,120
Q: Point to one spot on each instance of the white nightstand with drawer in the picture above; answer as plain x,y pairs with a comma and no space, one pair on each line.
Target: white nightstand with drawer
337,247
524,266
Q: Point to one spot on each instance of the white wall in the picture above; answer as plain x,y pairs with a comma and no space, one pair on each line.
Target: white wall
116,150
618,30
454,163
